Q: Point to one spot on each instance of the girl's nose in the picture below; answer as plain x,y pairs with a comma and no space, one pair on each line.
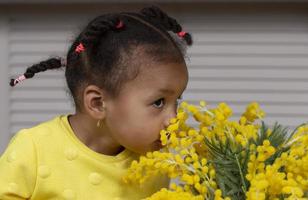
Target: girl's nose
171,114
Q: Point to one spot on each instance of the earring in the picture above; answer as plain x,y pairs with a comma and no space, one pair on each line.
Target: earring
99,124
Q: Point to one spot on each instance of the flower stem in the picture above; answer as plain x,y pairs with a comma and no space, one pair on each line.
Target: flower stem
244,187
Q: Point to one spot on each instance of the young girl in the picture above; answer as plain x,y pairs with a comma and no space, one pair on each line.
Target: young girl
125,72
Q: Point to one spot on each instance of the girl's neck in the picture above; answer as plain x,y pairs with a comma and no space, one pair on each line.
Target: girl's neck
89,134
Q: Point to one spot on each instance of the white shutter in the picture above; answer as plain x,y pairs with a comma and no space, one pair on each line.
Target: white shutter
240,58
236,58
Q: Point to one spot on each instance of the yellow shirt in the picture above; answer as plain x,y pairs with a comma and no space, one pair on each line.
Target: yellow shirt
49,162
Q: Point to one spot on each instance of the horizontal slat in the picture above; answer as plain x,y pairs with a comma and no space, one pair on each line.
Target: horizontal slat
239,60
240,38
246,67
250,49
246,97
28,48
30,20
39,93
42,99
249,79
28,27
246,85
41,36
253,24
40,106
48,110
225,28
193,72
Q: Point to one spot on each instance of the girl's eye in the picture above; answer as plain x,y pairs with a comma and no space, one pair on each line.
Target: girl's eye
159,103
178,101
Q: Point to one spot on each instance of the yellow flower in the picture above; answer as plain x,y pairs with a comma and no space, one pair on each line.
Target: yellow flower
193,156
165,194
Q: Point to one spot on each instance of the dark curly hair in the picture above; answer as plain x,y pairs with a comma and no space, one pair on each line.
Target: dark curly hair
109,42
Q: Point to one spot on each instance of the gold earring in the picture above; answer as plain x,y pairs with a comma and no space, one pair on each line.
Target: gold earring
99,124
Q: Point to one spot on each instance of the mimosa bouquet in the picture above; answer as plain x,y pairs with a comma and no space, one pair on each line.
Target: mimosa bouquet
225,159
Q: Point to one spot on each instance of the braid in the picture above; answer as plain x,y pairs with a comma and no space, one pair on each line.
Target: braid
96,29
158,17
51,63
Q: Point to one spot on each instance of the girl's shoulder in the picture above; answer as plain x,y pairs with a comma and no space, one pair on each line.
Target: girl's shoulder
45,130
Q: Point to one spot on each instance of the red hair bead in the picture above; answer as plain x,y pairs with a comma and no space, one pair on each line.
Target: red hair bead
79,48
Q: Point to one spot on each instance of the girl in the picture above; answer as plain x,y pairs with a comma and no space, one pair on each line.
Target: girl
125,72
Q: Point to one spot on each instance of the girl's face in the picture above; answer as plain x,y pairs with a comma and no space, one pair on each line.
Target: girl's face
145,106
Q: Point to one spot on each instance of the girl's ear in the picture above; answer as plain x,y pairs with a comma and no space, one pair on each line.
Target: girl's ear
93,101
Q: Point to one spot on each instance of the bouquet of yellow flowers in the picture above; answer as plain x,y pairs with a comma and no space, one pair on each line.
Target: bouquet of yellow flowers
225,159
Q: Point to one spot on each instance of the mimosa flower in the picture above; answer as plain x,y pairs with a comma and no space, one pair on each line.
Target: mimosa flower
221,159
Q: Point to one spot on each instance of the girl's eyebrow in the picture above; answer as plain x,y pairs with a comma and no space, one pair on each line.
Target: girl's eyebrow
161,91
164,90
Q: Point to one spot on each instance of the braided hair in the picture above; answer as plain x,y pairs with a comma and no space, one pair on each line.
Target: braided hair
103,53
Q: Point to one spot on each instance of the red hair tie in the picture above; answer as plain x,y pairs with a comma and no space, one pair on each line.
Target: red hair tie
120,25
79,48
181,34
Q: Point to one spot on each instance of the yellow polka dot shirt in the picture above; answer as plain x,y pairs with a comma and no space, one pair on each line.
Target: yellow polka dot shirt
49,162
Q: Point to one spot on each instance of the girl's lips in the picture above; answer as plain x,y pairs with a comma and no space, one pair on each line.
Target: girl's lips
158,143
